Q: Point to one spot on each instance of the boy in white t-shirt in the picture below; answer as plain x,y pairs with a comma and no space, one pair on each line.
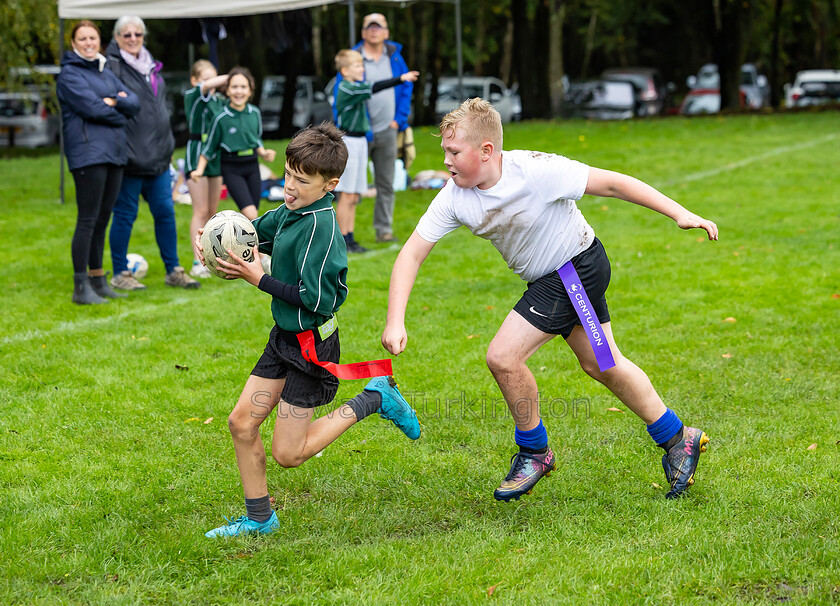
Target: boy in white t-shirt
524,203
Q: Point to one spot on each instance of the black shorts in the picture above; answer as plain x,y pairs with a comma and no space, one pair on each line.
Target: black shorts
242,179
546,305
307,385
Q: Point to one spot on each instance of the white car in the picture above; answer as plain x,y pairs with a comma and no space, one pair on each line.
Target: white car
490,89
813,87
25,120
704,96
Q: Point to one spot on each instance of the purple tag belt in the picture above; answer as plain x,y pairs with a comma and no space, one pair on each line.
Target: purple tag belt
586,314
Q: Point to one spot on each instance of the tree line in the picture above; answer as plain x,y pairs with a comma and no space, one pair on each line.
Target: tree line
532,42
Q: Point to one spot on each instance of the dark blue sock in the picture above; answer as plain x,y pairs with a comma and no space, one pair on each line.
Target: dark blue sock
665,427
258,509
533,440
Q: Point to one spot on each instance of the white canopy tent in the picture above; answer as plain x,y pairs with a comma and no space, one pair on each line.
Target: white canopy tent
177,9
187,9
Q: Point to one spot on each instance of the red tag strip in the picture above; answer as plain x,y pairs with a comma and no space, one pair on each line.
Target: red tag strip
357,370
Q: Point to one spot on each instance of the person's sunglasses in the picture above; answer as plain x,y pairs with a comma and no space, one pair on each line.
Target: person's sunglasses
132,35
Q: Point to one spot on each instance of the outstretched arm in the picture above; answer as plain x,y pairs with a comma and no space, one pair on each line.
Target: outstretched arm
411,257
609,184
211,84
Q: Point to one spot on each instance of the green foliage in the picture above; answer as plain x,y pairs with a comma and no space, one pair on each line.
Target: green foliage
30,36
110,475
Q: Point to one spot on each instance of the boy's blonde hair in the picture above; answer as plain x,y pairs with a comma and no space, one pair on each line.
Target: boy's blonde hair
199,66
345,57
478,120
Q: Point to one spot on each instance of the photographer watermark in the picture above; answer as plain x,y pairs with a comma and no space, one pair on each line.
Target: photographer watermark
440,406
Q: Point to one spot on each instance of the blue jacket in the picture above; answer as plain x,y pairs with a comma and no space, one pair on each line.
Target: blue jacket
150,140
94,132
402,91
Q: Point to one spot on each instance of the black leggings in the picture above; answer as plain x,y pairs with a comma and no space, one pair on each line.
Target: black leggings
97,188
242,179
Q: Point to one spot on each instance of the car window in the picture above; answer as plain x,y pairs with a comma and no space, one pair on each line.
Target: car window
17,106
449,91
708,79
617,93
273,88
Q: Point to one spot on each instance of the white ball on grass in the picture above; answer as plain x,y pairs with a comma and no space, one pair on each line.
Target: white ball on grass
137,265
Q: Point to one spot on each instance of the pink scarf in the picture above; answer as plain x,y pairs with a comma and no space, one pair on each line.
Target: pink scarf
146,65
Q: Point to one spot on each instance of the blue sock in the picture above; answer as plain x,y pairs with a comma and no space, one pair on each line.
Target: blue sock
534,439
665,427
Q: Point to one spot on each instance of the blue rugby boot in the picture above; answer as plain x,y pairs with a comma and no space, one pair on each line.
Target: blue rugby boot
525,471
245,526
680,461
394,406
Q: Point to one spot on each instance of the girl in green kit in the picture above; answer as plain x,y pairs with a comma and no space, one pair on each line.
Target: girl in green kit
202,104
236,137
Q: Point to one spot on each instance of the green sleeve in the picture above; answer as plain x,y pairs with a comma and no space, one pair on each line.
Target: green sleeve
266,230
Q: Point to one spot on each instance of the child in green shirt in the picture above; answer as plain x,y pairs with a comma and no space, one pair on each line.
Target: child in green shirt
308,283
236,135
201,105
352,118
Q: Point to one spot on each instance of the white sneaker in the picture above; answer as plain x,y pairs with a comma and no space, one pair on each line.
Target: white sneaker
199,271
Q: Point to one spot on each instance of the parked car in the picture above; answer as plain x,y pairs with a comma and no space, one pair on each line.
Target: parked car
600,100
704,96
813,87
25,120
516,101
311,104
650,89
490,89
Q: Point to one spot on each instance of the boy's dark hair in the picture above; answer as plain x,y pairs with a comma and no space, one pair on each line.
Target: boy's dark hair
318,150
241,71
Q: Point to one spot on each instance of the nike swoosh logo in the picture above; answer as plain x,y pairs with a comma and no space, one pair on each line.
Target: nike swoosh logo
534,311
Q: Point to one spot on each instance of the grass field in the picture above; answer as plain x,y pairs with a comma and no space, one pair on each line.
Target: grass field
115,456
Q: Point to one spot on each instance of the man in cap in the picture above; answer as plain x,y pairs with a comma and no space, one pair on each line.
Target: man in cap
388,110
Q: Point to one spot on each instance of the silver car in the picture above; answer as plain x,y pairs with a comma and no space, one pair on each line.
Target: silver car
311,104
490,89
25,120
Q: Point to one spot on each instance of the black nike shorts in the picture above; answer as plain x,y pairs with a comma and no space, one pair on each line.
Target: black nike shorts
545,305
307,384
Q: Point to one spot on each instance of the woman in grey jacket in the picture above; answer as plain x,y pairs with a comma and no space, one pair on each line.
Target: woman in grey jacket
150,145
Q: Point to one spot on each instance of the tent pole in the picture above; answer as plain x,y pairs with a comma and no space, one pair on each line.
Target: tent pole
459,54
60,119
351,17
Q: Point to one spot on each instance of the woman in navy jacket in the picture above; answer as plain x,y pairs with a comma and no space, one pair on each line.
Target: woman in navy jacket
95,107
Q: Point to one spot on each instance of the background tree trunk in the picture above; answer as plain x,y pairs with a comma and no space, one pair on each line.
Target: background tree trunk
774,54
730,22
523,57
555,56
506,61
590,42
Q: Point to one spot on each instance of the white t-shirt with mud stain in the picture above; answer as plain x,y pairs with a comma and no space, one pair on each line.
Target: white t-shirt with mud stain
530,215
